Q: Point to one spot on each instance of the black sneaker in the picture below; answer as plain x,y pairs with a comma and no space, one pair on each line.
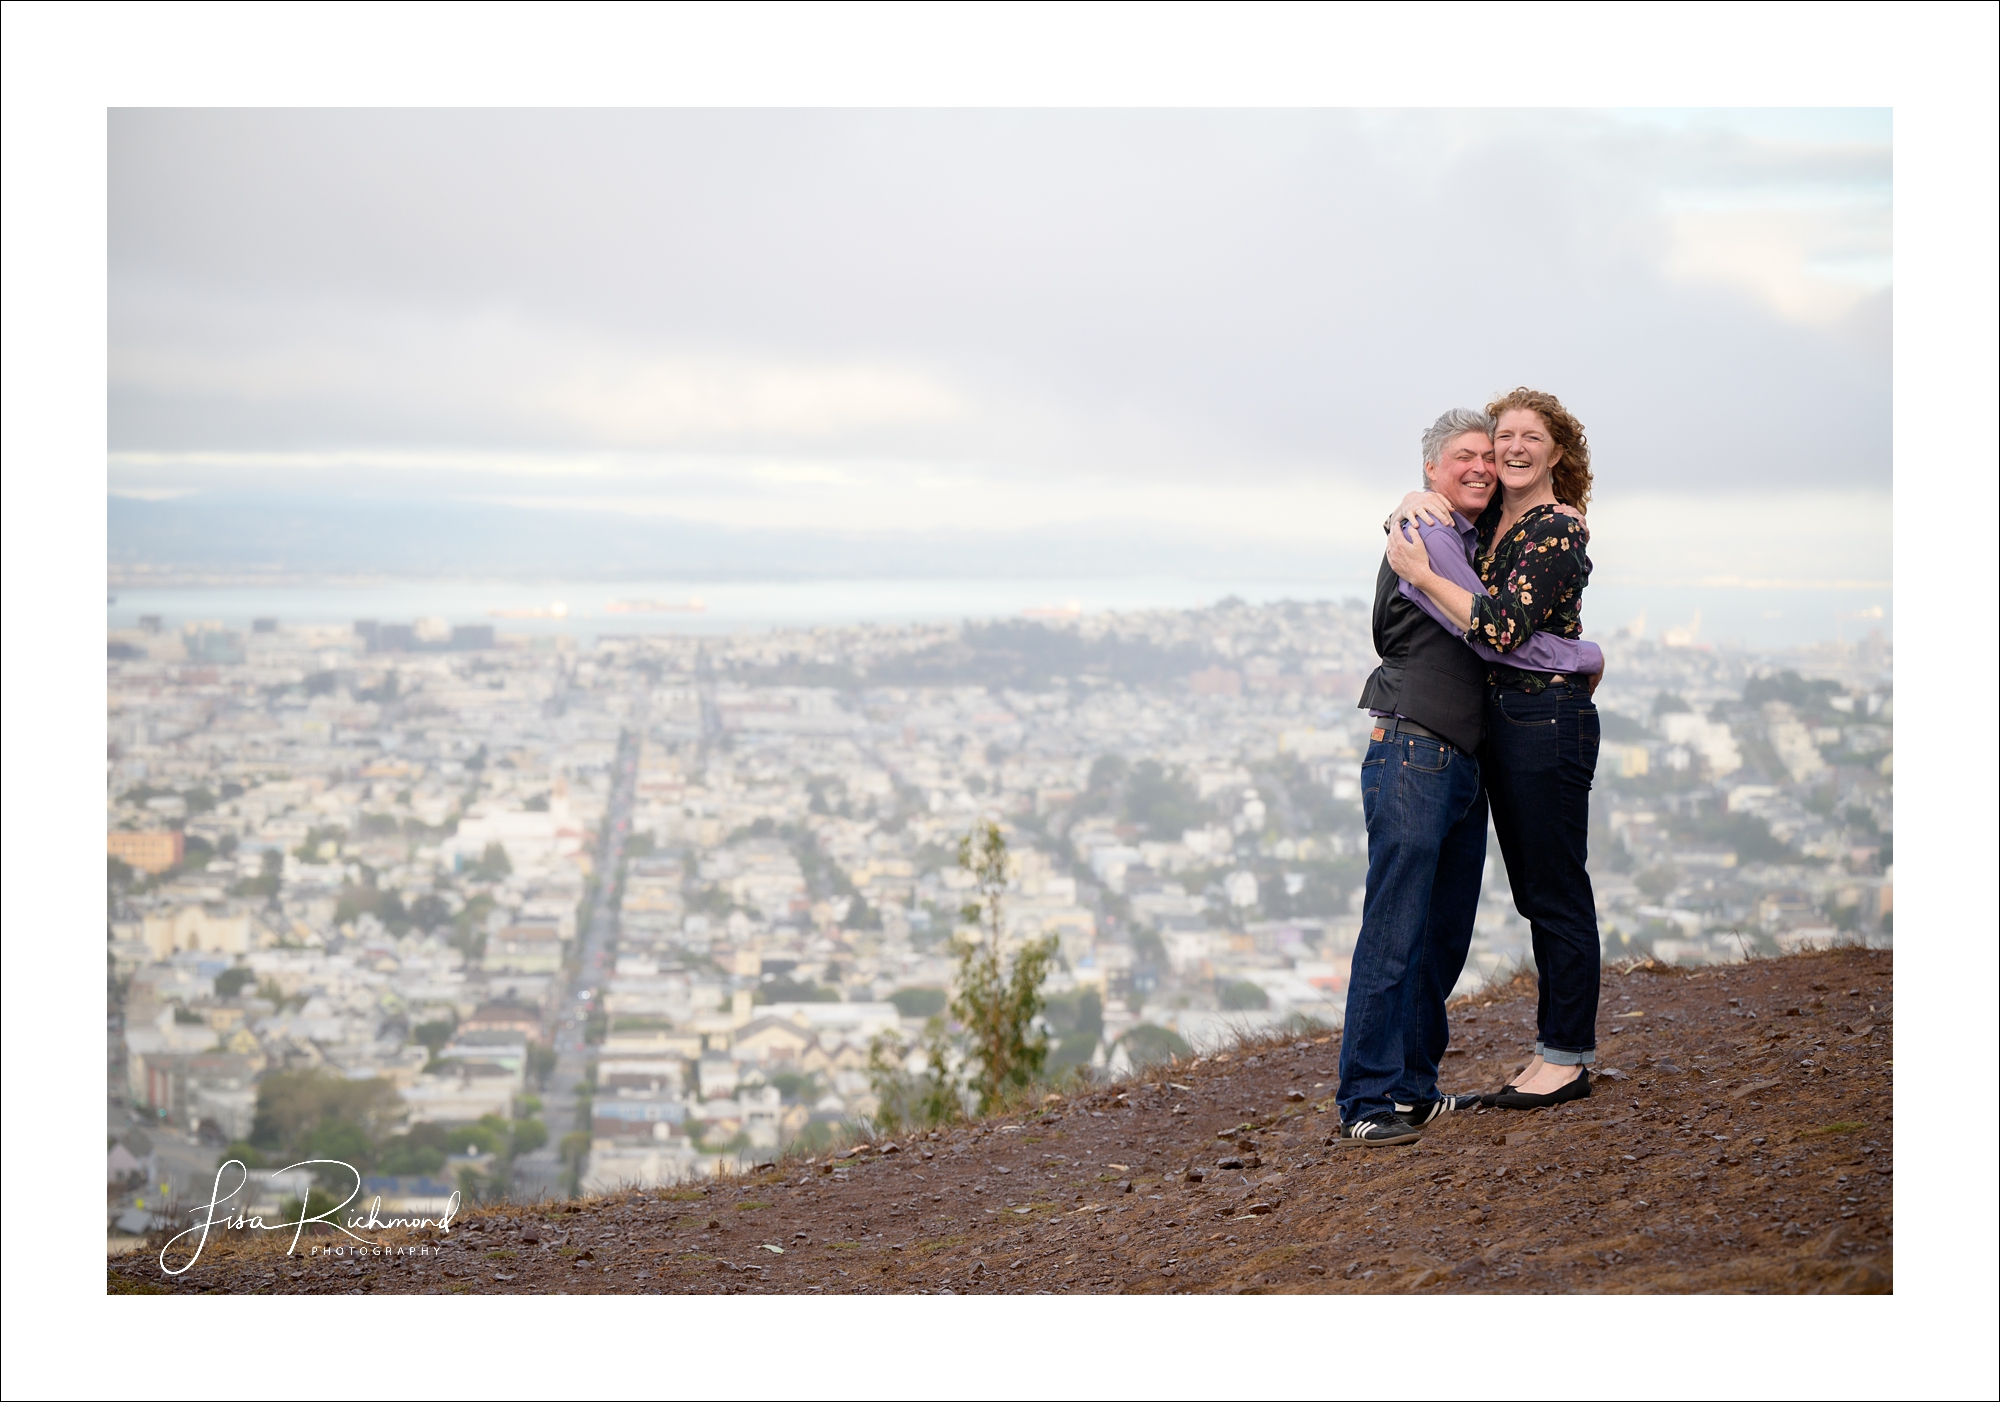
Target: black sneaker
1424,1111
1379,1130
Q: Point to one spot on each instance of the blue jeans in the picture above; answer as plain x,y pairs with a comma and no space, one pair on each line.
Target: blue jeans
1426,815
1540,754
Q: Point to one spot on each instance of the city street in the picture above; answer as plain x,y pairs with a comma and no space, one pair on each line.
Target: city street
542,1174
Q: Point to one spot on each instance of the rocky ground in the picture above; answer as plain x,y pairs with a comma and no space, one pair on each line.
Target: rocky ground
1738,1140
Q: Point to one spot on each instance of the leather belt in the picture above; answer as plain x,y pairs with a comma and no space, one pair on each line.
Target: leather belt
1392,726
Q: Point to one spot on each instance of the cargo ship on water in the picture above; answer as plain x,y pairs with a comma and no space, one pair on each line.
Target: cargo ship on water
655,606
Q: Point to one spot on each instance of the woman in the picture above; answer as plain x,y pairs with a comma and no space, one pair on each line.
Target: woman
1541,728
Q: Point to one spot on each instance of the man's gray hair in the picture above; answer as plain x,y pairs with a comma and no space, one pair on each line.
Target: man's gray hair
1449,425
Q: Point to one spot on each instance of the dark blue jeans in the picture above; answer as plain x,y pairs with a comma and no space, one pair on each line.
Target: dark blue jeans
1540,754
1426,815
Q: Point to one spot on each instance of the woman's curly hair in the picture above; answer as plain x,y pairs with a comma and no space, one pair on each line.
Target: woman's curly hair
1572,471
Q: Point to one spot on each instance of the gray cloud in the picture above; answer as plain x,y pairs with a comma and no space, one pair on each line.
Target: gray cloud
1131,298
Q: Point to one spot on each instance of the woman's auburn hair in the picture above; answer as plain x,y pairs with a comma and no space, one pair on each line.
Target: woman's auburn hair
1572,472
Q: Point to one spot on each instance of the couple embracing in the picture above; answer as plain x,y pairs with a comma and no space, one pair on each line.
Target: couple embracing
1482,703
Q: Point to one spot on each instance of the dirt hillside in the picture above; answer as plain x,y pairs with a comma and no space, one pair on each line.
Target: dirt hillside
1738,1140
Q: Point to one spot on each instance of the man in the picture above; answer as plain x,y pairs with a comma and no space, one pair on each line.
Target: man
1425,808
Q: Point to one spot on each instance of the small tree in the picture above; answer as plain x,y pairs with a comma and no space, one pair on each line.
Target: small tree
997,1005
905,1100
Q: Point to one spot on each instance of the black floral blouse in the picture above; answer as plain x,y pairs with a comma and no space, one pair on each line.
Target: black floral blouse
1534,580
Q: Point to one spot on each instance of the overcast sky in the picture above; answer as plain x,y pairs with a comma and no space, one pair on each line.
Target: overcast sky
1181,323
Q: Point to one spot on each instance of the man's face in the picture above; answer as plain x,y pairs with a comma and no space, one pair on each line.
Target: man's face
1463,473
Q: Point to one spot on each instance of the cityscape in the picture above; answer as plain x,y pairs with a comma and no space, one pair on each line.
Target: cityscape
541,915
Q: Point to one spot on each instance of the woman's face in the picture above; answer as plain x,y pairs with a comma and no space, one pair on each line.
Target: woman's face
1525,451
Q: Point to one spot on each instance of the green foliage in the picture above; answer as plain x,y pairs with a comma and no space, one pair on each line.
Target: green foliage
902,1100
541,1063
814,1137
1240,995
384,692
934,856
714,901
1312,807
1103,789
318,1201
230,982
1078,1012
435,1033
1622,728
308,851
1147,1044
996,1003
187,1018
420,1151
529,1135
343,1140
1792,689
1148,949
292,1105
642,1022
798,1087
488,1136
785,990
1164,805
247,1152
1749,835
265,883
1656,883
1668,703
919,1002
1072,1050
1030,656
492,864
365,898
468,927
1324,891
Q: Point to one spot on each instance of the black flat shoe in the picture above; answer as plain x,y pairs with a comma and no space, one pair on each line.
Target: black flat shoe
1511,1099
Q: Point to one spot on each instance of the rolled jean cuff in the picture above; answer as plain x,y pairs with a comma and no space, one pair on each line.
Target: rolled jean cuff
1540,1050
1569,1058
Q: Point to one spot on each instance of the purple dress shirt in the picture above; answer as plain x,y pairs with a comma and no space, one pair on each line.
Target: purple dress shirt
1451,550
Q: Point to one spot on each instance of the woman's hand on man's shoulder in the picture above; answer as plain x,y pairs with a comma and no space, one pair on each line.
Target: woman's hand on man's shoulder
1578,523
1421,509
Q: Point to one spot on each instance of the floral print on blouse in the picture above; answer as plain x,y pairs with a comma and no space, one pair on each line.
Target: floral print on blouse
1534,580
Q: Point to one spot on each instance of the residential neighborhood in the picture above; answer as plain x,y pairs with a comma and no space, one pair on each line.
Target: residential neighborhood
547,914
